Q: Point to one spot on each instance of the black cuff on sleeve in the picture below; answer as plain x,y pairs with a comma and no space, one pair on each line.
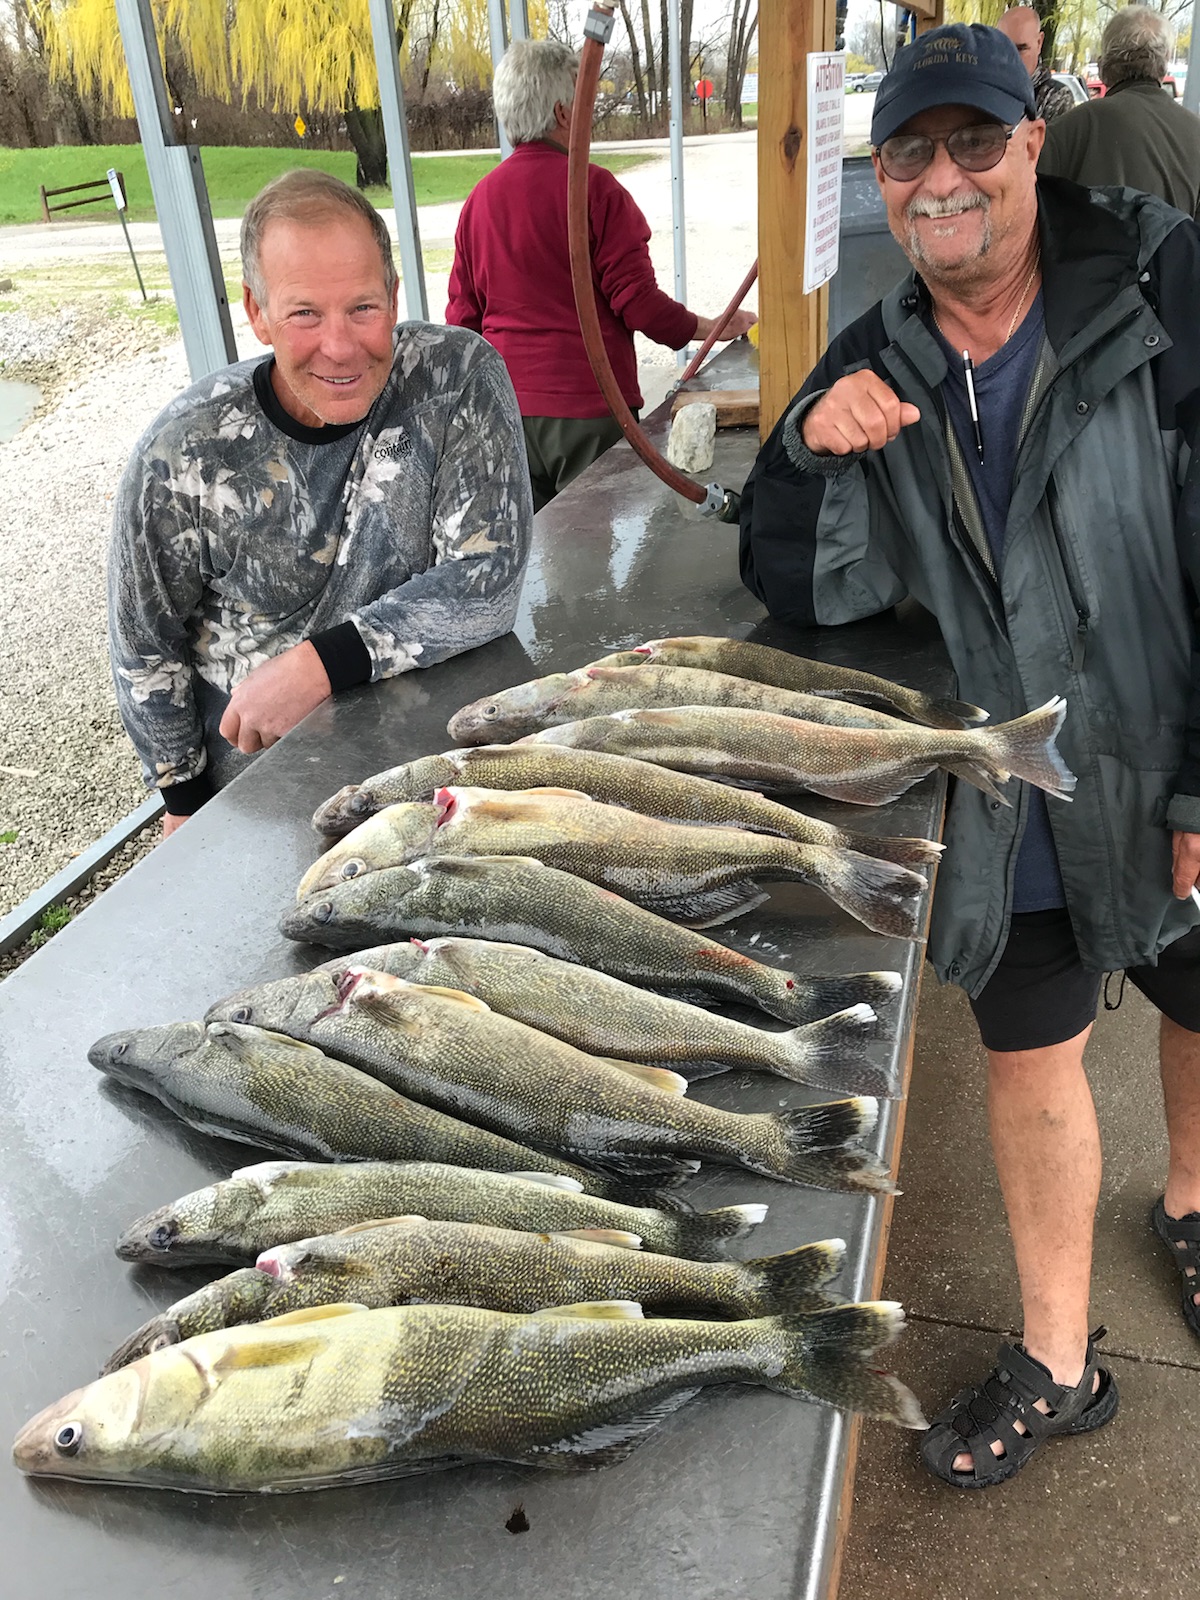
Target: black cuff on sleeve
345,657
185,799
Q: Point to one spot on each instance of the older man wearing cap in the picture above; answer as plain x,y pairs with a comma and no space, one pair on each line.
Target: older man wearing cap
1050,518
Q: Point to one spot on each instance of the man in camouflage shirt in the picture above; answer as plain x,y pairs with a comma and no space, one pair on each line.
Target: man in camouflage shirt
1024,27
351,507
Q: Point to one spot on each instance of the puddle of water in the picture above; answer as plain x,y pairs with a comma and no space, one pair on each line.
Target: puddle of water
17,401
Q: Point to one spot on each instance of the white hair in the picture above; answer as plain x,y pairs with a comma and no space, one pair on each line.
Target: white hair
534,77
1136,44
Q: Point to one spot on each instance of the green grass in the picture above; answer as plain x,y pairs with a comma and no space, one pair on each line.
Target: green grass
234,177
51,922
9,836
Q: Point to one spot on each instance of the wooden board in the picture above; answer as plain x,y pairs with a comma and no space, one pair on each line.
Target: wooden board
736,408
793,323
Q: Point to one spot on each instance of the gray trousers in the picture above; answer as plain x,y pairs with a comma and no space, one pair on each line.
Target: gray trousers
559,448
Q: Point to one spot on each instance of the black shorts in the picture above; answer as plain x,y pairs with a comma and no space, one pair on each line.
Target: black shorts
1041,994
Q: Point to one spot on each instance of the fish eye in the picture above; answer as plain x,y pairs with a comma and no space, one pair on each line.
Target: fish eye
162,1237
118,1050
358,804
160,1341
242,1014
322,912
490,711
68,1439
353,868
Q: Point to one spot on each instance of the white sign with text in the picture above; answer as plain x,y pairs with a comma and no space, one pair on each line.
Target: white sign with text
826,142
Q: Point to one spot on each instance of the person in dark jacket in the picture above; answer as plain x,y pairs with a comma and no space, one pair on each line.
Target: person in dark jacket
1023,26
1058,544
1135,134
511,279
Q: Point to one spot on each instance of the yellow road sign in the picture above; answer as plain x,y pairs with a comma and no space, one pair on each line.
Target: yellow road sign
300,126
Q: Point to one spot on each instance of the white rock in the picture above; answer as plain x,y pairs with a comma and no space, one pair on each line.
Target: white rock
693,433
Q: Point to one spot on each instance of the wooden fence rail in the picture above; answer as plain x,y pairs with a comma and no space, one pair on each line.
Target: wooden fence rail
73,188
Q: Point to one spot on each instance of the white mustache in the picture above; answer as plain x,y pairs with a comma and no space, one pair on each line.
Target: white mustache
953,206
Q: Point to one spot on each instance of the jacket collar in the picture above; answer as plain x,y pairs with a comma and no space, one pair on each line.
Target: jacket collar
1094,244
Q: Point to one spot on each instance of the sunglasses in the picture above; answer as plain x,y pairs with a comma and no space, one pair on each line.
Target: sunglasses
978,148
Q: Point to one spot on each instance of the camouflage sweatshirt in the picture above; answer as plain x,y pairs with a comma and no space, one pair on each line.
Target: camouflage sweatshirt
238,532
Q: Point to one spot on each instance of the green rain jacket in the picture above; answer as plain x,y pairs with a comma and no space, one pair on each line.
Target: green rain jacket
1097,593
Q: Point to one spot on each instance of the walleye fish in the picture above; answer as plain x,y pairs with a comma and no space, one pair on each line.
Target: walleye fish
265,1089
277,1202
600,689
404,1260
604,1017
613,780
451,1051
341,1395
866,766
510,898
762,664
695,875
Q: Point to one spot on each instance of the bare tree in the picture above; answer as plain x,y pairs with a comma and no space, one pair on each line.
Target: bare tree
743,24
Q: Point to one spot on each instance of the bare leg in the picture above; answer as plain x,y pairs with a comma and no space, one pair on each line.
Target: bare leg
1046,1146
1179,1056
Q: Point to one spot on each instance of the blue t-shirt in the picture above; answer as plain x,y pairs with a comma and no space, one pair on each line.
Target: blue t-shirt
1001,389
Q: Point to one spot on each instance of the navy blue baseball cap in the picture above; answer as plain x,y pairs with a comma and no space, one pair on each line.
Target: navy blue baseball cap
962,64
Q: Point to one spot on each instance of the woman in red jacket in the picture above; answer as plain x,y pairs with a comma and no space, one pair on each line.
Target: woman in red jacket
511,279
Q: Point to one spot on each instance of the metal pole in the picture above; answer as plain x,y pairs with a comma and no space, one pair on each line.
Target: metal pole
676,72
395,132
181,201
499,42
518,18
1191,89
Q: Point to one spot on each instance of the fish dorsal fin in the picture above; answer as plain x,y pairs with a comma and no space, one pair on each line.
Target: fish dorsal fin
597,1310
657,1077
455,996
340,1308
377,1222
616,1237
552,1180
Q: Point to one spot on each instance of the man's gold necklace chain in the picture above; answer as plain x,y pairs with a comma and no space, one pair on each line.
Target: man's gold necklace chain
1012,327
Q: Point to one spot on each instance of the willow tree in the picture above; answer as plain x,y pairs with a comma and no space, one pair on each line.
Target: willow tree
312,54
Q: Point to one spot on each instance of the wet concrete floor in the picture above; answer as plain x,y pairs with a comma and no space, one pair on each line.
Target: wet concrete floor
1115,1513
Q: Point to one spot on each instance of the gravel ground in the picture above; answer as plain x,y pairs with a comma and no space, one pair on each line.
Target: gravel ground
67,771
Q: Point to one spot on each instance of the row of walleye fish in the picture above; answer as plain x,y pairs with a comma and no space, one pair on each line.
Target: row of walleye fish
485,1109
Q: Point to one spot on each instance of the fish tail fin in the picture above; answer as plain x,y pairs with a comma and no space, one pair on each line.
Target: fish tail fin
1026,748
815,1145
794,1281
826,1356
947,713
881,895
808,999
905,852
708,1235
827,1054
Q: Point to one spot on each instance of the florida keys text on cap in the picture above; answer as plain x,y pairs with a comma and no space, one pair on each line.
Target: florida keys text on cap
962,64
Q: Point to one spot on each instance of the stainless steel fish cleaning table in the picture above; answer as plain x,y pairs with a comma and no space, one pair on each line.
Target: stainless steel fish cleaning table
742,1492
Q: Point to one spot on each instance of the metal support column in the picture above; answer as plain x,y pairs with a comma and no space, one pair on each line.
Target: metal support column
1191,89
181,201
676,127
498,36
518,19
395,131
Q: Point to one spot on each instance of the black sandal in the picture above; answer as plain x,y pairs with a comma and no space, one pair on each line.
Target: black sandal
1181,1235
990,1411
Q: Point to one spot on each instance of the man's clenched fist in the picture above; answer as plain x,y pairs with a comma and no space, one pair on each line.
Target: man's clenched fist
860,412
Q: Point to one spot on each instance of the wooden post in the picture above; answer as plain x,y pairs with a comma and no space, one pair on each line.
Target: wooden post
793,324
932,15
45,203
